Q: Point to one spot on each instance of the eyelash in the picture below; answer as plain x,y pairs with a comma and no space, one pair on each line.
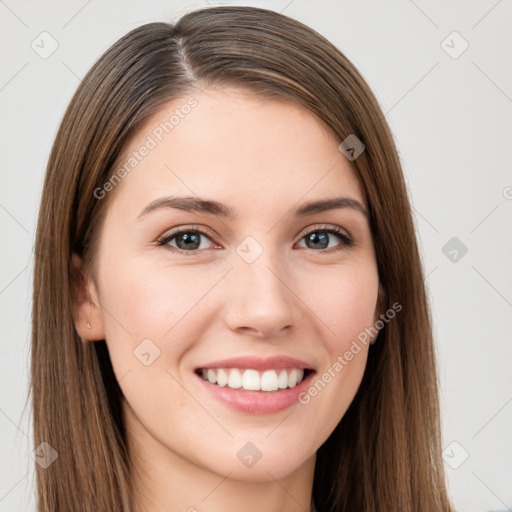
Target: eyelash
347,241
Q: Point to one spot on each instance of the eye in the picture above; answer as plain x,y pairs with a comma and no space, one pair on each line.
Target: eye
187,241
321,237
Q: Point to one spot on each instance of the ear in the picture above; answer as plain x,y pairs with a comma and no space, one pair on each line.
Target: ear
86,308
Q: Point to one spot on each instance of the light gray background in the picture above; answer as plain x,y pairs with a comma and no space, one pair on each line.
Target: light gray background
451,120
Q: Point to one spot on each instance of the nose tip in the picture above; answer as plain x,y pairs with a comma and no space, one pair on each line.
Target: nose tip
261,304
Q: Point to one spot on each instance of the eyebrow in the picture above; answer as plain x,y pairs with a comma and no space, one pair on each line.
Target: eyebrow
197,204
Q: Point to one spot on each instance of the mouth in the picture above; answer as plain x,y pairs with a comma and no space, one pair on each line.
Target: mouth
256,386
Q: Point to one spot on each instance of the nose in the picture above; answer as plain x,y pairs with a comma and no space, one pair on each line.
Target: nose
261,301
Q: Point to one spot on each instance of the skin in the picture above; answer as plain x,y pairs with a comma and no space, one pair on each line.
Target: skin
263,158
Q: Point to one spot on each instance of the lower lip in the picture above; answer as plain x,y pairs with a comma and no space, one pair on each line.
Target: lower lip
257,402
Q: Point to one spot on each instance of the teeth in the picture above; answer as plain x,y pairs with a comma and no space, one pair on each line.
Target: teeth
254,380
269,381
292,378
235,379
282,381
251,380
222,378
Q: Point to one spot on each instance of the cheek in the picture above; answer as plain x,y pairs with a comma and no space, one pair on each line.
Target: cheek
143,301
344,299
346,304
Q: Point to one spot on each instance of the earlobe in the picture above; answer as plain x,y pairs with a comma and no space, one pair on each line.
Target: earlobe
87,315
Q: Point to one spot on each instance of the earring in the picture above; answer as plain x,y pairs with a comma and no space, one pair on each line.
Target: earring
88,325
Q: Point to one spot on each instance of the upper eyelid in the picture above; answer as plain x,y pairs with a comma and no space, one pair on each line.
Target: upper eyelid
194,227
326,227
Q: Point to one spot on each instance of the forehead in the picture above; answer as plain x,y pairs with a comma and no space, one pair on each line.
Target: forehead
237,147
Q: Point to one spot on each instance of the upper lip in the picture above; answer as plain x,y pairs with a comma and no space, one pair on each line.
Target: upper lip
258,363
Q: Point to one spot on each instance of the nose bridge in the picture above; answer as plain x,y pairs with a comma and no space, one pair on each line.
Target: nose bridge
260,299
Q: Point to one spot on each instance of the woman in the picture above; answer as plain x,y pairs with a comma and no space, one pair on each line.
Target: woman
229,307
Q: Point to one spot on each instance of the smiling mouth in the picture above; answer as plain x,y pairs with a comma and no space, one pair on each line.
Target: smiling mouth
254,380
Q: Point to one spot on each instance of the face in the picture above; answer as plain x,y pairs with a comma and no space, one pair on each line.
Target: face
255,291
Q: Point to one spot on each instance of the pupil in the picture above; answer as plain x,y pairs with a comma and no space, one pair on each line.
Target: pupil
314,238
189,241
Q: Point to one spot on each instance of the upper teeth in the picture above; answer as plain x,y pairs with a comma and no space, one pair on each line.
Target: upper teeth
254,380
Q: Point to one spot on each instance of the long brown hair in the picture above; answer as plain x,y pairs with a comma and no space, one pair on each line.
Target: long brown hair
385,453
